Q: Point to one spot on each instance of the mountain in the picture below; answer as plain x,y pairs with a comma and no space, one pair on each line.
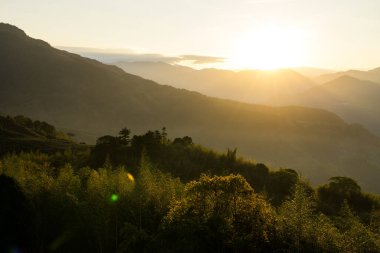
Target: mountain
252,86
77,93
372,75
355,100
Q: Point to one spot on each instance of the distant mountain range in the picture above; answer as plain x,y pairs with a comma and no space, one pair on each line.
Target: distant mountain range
372,75
355,100
252,86
77,93
312,72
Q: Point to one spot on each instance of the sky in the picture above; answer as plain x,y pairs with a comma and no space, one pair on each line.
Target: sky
333,34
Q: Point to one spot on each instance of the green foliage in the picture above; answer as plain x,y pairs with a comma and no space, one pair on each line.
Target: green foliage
356,236
190,161
158,187
302,229
148,204
219,214
68,203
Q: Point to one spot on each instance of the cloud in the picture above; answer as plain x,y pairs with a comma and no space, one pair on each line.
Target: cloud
143,57
118,55
202,59
127,55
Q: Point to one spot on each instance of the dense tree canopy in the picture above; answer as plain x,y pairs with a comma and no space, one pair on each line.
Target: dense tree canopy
221,214
146,193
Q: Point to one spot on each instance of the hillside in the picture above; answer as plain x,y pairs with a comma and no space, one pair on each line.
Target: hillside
23,134
76,93
355,100
252,86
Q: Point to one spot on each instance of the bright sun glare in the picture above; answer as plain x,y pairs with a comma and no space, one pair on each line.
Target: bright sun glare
269,48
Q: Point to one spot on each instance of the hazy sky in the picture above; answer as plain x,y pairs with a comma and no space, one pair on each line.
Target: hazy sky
335,34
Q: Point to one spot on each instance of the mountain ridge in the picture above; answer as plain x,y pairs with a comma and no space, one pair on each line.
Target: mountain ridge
372,75
251,86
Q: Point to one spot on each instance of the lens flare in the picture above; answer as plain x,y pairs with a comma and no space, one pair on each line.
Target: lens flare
130,177
114,197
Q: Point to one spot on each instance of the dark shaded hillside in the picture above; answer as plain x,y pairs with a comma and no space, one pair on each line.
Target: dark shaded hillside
77,93
23,134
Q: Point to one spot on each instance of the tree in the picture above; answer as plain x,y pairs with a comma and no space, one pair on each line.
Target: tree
148,203
256,174
280,185
125,136
16,218
184,141
219,214
340,189
301,229
356,236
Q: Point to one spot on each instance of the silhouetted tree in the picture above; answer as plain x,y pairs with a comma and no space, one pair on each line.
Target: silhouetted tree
340,189
125,136
280,185
16,218
185,141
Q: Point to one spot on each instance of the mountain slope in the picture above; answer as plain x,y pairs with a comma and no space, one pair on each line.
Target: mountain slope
78,93
253,86
355,100
22,134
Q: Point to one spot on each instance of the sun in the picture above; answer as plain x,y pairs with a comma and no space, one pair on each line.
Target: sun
269,48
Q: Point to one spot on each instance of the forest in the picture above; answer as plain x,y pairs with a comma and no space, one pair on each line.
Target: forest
150,193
